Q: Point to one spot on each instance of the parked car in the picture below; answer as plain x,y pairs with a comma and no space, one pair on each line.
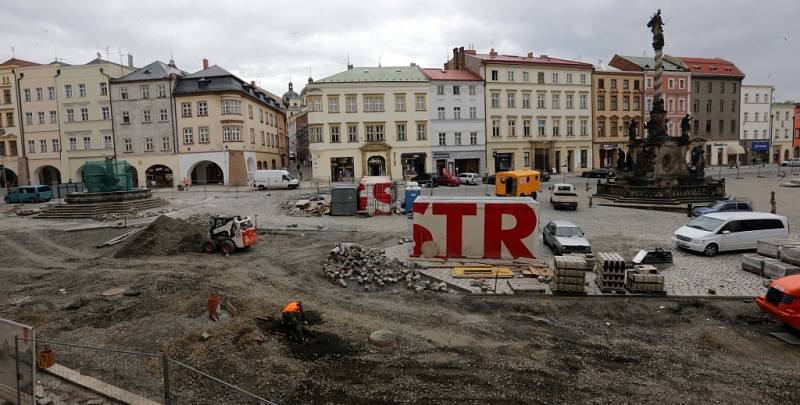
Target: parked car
723,206
448,180
545,175
269,179
600,173
490,179
795,162
564,196
782,300
726,231
29,194
470,178
427,179
565,237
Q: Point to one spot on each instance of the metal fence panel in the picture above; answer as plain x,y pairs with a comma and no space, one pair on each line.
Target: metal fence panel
17,356
190,385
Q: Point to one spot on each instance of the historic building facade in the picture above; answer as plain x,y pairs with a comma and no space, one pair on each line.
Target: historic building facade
796,139
369,121
538,110
782,128
227,128
457,121
144,123
754,133
618,102
12,154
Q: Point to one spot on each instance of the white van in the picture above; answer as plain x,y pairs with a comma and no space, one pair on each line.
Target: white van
721,231
269,179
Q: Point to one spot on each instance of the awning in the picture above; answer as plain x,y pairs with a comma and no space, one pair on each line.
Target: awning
735,149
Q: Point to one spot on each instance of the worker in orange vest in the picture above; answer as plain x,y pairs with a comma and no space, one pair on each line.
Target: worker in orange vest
292,317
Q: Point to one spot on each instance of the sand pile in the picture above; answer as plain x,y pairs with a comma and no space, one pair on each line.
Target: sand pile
165,237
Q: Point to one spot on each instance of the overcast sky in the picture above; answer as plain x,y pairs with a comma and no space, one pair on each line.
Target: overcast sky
273,42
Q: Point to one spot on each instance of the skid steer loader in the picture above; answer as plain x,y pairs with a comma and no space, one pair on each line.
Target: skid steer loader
229,234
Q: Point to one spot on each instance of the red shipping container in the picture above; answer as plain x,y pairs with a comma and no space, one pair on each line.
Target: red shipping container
375,195
476,227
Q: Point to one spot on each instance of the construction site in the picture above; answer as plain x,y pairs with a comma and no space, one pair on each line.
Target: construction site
385,321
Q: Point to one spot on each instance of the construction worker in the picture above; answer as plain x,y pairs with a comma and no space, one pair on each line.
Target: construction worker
292,317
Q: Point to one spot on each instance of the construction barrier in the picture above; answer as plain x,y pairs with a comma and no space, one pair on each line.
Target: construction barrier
375,195
476,227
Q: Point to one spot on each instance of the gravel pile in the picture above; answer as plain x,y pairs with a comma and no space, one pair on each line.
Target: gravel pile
370,268
165,237
201,218
307,205
119,216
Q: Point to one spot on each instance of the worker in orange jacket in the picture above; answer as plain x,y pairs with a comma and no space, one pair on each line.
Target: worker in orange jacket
292,317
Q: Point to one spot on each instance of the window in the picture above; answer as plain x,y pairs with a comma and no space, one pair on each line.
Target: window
70,115
263,138
722,89
756,117
260,115
708,126
373,103
107,142
636,85
584,127
570,128
146,116
556,101
745,133
540,77
696,127
249,111
399,102
186,109
526,100
145,91
126,117
540,100
162,115
601,103
671,104
84,114
541,125
314,134
696,106
569,78
123,93
511,99
556,127
696,86
613,105
583,78
473,138
495,75
472,90
526,159
625,84
43,145
374,132
555,77
708,105
710,87
442,139
352,132
510,75
53,117
68,91
733,127
733,105
495,128
671,83
73,144
601,83
440,90
456,113
422,131
87,143
601,128
188,136
526,77
28,118
333,104
570,98
334,130
401,131
39,94
649,83
613,84
148,144
232,133
81,90
681,105
526,127
202,135
31,146
473,113
351,103
495,99
512,127
56,144
614,127
584,102
165,143
440,113
232,106
626,103
722,106
202,109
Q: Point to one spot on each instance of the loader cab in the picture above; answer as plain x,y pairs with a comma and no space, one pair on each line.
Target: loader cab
518,183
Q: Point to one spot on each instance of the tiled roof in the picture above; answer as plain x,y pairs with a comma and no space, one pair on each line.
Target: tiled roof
154,71
649,63
19,63
450,74
711,67
541,60
377,74
213,71
101,61
216,79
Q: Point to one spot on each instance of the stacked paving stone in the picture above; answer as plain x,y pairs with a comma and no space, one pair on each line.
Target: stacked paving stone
774,258
569,274
610,270
645,279
372,270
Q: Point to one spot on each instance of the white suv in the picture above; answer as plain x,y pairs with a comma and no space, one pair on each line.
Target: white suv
721,231
470,178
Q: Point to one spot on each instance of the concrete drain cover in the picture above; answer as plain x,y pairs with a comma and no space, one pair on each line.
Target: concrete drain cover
382,338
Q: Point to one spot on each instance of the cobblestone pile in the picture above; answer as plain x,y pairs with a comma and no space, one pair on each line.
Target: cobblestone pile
369,268
307,205
119,216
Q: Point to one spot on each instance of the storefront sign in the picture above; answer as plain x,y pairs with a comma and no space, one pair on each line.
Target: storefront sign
759,146
441,155
608,146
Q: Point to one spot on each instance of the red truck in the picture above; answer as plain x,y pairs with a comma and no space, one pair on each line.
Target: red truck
782,300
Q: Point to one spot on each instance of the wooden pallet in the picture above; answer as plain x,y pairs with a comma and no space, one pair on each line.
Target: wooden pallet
482,272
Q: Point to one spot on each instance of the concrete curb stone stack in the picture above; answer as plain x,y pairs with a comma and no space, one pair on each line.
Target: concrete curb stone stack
610,270
644,279
774,258
570,274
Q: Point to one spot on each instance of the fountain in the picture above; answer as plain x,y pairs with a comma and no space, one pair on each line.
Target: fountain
655,170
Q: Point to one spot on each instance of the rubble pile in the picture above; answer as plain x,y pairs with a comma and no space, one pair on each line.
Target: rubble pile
202,218
308,205
774,258
116,216
370,268
165,237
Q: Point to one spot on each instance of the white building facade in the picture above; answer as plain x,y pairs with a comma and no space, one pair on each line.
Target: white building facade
754,132
457,121
782,125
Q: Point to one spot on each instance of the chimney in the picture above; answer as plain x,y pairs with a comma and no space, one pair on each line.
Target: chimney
349,66
455,58
462,59
530,54
205,63
253,83
130,60
492,52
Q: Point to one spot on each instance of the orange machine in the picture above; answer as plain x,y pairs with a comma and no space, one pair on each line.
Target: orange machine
782,300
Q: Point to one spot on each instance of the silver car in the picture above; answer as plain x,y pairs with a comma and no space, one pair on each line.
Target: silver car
470,178
565,237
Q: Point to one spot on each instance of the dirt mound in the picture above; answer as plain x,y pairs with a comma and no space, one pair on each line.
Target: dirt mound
320,345
165,237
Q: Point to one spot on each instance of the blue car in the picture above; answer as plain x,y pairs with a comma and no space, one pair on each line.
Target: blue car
29,194
722,206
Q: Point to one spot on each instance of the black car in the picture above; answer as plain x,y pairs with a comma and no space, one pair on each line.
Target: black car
427,179
545,175
600,173
489,179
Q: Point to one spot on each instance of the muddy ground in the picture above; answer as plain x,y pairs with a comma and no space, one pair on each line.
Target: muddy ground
450,348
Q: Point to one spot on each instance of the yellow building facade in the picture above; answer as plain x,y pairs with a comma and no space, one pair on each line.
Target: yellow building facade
618,101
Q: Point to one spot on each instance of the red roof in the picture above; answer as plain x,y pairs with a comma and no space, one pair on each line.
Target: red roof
19,63
711,67
449,74
541,60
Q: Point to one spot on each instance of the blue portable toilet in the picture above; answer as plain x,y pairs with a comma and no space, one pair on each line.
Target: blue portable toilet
413,190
